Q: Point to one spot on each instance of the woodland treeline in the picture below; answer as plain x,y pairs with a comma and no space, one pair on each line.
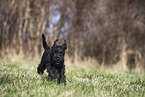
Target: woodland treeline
109,31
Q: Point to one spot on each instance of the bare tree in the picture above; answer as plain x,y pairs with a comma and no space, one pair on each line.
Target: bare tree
104,30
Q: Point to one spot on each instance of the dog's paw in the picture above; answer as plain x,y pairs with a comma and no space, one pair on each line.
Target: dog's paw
39,71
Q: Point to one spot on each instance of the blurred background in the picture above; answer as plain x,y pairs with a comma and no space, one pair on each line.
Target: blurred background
110,32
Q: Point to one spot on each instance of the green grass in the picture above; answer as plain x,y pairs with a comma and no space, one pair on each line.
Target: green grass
21,79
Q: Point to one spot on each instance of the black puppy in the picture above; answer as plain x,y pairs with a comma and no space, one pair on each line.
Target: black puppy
53,61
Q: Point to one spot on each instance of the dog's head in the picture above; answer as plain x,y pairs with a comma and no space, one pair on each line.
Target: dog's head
58,52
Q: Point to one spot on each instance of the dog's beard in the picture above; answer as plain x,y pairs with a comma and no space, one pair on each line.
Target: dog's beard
57,62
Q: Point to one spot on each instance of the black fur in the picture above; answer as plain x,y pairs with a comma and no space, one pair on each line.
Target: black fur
45,46
53,61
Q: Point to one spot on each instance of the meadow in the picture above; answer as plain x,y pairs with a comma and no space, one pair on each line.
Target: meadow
19,78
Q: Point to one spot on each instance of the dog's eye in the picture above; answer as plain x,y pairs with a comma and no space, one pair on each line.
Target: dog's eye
62,53
56,51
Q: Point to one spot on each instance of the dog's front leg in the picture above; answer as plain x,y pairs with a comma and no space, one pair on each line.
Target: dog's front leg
50,71
52,74
62,77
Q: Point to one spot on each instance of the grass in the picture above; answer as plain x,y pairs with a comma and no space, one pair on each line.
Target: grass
21,79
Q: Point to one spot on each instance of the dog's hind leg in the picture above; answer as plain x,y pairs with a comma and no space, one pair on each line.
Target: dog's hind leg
41,68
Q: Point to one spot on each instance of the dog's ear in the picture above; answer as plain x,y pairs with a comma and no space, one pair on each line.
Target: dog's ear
54,44
64,45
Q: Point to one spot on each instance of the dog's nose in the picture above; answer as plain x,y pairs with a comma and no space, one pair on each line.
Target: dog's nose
58,58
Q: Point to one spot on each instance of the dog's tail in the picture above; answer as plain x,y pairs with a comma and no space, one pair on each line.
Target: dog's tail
45,46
